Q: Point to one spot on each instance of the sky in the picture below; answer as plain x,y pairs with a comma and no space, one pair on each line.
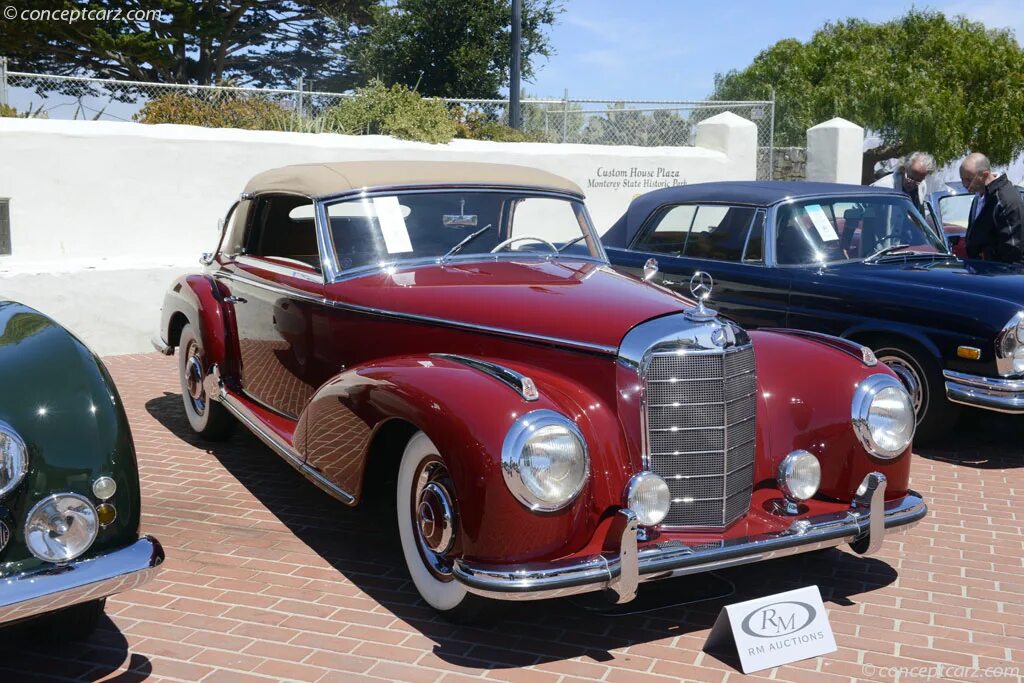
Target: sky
671,49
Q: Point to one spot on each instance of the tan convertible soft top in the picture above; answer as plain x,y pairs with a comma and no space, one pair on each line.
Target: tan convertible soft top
319,180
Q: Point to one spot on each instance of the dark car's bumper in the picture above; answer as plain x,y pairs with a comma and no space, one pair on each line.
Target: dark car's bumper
990,393
57,587
865,524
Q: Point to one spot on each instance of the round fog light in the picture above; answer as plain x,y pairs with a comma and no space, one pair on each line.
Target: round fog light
104,488
648,496
61,527
799,475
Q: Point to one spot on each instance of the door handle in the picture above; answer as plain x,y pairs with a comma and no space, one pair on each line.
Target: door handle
232,299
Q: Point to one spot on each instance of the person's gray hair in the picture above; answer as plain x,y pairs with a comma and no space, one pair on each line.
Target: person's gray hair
923,158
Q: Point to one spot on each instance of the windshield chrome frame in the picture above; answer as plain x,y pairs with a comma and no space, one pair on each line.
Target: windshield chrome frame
333,274
772,227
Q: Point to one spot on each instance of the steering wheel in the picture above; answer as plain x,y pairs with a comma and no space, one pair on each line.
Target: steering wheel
511,240
881,243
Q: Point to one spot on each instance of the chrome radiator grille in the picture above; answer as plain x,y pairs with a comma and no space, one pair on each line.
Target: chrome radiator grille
700,433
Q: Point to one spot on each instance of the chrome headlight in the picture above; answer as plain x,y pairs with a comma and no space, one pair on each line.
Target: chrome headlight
1010,347
883,416
544,460
13,459
799,475
61,527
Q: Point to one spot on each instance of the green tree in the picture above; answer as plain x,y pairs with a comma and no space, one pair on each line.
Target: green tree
922,81
258,42
452,48
622,126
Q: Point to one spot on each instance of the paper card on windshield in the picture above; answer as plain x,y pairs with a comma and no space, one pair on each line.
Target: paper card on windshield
392,225
821,223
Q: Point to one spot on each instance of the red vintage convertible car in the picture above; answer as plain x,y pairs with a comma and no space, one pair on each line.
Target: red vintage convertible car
544,425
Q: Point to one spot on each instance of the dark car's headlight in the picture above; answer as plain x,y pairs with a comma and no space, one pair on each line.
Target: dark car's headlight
883,416
544,460
13,459
1010,347
61,527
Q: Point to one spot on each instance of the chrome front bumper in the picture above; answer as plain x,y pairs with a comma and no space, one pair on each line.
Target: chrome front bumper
1002,395
863,525
60,586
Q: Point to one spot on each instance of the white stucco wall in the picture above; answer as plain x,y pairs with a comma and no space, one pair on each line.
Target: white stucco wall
835,152
104,214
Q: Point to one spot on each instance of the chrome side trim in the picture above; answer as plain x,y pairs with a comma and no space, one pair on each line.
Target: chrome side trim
279,268
990,393
674,558
58,586
160,345
412,317
277,289
519,382
279,446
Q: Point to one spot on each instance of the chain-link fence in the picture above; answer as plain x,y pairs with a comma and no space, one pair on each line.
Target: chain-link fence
564,120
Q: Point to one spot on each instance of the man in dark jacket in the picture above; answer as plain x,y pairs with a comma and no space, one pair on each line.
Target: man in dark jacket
995,229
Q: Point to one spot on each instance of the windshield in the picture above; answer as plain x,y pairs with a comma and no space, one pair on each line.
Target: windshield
850,229
455,224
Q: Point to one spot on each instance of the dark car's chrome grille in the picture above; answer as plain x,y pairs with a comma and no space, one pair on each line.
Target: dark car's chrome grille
700,433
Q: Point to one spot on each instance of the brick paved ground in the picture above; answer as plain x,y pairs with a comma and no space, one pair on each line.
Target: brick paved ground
269,579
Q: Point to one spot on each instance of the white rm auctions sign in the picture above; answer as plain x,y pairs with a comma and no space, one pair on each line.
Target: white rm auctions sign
778,629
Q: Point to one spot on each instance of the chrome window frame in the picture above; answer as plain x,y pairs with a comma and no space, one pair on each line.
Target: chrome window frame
645,227
333,274
773,215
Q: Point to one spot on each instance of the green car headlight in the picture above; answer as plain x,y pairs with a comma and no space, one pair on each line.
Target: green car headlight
61,527
13,459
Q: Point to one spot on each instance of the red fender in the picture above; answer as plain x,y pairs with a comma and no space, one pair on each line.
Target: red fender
201,301
467,415
798,410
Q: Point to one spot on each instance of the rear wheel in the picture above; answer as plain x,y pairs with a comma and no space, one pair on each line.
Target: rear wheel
208,418
427,528
922,376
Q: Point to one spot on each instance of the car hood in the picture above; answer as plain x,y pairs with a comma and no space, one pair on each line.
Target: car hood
995,280
582,302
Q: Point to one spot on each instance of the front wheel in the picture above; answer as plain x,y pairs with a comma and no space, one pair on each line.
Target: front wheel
208,418
922,377
428,528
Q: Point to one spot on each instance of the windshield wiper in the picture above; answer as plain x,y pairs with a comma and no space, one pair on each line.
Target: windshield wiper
882,252
458,247
571,242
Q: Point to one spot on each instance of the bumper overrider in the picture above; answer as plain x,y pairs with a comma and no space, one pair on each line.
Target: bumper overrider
64,585
618,573
991,393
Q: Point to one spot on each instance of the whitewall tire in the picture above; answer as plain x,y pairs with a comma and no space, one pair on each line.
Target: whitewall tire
427,525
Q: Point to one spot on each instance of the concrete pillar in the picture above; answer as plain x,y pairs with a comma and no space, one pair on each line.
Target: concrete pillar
835,149
734,136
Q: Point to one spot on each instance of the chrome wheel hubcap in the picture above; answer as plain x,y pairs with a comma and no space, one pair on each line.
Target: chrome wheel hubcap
194,379
434,517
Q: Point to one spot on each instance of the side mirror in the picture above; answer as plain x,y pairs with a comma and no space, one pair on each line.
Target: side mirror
650,269
206,259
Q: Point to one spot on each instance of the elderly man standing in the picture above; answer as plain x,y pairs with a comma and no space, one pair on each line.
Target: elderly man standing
910,177
995,230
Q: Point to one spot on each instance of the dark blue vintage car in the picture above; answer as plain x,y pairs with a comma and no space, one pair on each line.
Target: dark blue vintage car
849,261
